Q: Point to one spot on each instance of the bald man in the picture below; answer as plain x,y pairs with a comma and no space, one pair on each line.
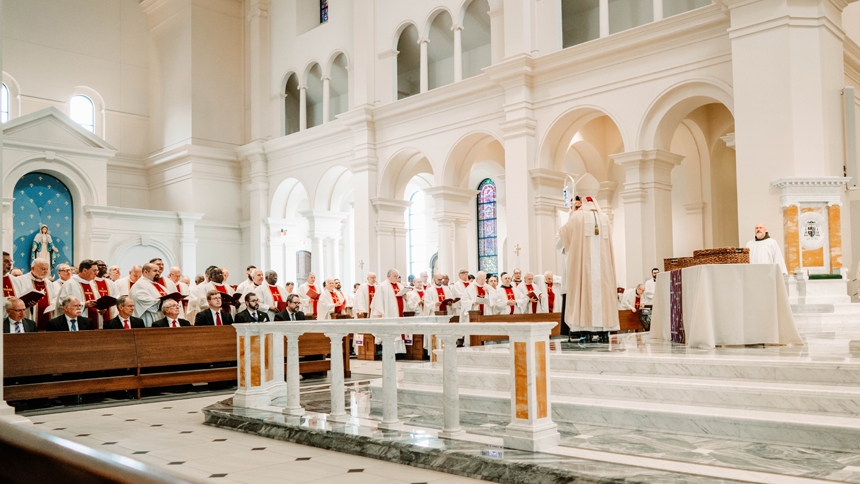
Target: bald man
764,250
147,296
331,301
125,284
37,280
364,296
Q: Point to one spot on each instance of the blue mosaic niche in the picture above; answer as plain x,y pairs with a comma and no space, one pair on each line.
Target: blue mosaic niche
41,199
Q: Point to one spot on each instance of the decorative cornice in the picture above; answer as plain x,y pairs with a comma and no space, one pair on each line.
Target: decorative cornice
797,190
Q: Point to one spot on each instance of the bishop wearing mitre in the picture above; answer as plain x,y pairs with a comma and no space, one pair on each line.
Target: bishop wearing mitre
390,302
592,304
364,297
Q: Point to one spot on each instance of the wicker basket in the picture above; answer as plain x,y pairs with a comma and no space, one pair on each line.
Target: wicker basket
723,255
678,263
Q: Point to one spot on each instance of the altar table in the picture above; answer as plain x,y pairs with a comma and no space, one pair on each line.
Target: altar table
730,304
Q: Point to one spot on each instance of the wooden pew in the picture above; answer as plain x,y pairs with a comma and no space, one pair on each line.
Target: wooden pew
629,321
162,355
477,317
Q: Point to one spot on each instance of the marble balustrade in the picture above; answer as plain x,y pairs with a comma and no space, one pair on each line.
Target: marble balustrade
261,376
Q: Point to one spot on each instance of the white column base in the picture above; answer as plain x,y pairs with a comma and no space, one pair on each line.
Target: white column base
450,434
277,390
531,439
253,398
294,411
390,425
8,415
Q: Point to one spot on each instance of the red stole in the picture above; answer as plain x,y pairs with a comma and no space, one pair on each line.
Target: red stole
529,288
371,290
338,305
160,280
102,287
315,301
481,293
161,290
440,293
92,313
221,289
42,318
550,297
509,291
8,288
466,284
276,296
636,306
396,289
130,283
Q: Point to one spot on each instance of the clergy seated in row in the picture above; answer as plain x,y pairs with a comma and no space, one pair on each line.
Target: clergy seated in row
213,315
291,312
15,322
72,318
252,312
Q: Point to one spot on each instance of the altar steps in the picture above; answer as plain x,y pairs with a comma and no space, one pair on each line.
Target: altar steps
799,402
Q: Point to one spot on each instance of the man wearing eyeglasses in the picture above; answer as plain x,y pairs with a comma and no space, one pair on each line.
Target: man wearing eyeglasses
15,321
292,312
71,319
213,315
65,273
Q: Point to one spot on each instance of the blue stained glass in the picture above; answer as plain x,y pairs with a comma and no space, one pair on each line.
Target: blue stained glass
487,228
323,11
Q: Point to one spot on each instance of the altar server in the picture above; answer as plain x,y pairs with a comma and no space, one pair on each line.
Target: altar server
591,304
37,280
764,250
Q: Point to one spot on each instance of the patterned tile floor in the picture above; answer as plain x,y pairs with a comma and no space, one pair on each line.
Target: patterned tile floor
170,435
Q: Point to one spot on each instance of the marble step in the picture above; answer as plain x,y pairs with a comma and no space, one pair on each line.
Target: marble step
818,431
799,369
782,396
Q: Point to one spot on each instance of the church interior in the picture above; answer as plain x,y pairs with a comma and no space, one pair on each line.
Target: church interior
641,216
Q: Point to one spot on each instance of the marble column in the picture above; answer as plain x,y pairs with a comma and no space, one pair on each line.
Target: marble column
338,405
323,227
294,406
445,263
452,206
278,385
549,199
364,178
303,108
391,234
318,258
258,194
390,420
647,200
424,73
188,242
531,428
259,68
657,8
450,389
326,99
252,391
603,17
461,246
458,52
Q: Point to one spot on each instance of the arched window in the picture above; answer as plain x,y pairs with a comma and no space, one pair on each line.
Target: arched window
82,111
4,103
488,260
417,234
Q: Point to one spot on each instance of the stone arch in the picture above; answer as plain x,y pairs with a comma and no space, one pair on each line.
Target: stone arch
432,16
339,83
117,255
14,95
674,104
288,198
334,186
467,151
333,57
80,185
440,48
290,107
474,18
314,94
99,108
400,169
407,62
560,135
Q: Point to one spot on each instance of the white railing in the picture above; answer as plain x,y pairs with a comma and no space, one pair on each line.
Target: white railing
261,375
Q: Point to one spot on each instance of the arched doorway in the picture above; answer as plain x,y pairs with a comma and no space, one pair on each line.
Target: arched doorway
41,199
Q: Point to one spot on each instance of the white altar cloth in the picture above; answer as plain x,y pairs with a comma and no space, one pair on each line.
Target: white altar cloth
731,304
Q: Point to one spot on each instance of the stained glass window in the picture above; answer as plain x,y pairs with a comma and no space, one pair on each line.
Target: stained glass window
4,103
83,112
417,234
488,260
323,11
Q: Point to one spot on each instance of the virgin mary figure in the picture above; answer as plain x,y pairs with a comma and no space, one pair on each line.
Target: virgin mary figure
43,247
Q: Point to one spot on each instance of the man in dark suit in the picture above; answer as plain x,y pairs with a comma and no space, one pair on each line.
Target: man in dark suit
213,316
125,320
253,313
71,319
15,322
292,312
171,317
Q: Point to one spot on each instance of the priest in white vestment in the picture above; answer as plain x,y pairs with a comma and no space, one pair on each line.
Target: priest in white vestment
124,285
552,289
216,283
650,286
764,250
530,298
175,276
477,297
37,280
146,294
273,299
415,299
460,288
308,303
106,287
11,284
83,287
592,303
249,284
364,296
436,294
505,299
633,299
331,301
390,302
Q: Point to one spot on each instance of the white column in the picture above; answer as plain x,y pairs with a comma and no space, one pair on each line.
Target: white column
458,52
338,407
547,202
450,389
391,233
278,386
294,406
603,17
446,246
188,242
461,248
364,175
658,9
647,199
337,263
258,69
326,99
424,73
452,204
303,108
389,384
258,195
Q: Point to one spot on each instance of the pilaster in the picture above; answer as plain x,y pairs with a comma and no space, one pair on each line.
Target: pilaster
391,233
364,168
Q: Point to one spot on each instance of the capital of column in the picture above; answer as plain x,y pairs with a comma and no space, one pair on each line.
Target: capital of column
323,223
519,127
547,205
423,40
388,53
729,139
335,336
456,27
303,88
648,168
325,78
